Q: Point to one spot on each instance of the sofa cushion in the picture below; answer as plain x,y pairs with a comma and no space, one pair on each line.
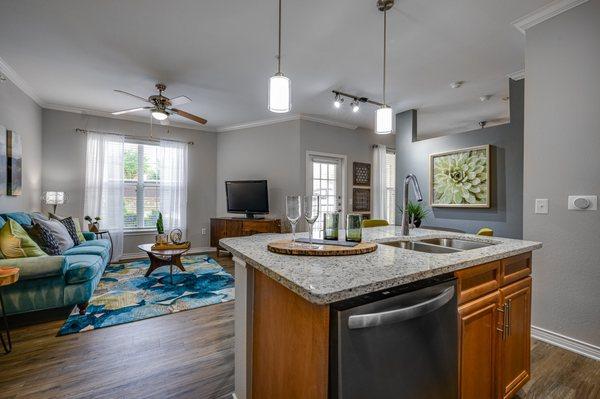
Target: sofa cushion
87,250
59,231
88,236
38,267
102,242
82,268
20,217
2,222
15,243
44,238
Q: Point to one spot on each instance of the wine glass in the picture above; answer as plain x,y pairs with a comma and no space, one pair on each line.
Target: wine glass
293,211
312,205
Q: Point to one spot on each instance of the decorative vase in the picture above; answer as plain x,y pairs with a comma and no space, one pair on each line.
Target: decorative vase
417,223
93,227
162,238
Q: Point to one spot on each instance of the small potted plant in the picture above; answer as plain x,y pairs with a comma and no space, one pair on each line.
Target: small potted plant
93,224
161,237
416,213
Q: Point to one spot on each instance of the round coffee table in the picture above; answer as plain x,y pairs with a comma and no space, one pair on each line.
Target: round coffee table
8,275
163,257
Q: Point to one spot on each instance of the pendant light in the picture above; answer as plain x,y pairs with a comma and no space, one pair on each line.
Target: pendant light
279,85
383,116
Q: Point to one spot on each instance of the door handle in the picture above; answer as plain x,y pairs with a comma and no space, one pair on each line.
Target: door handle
508,311
402,314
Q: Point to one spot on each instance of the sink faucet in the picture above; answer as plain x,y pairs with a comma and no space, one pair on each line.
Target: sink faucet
417,189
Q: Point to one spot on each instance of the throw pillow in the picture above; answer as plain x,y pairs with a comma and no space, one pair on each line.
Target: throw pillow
70,225
59,231
44,238
15,243
79,234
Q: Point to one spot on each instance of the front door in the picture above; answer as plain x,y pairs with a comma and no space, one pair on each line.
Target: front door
326,180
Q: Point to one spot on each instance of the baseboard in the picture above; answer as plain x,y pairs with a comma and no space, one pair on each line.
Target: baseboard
142,255
568,343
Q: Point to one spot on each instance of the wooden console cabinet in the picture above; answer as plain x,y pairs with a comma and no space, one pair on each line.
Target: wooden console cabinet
495,328
238,227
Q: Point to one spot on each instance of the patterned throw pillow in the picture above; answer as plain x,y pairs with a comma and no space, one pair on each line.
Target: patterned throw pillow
77,226
59,231
70,225
44,238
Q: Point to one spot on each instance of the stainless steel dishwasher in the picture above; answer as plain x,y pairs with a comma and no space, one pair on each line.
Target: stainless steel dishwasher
399,343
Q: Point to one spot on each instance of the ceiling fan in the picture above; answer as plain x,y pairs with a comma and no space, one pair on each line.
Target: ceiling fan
161,107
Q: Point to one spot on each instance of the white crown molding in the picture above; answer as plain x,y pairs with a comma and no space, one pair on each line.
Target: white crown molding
18,81
517,75
568,343
132,118
287,118
544,13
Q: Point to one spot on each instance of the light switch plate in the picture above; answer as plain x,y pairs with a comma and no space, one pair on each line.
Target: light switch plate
576,201
541,205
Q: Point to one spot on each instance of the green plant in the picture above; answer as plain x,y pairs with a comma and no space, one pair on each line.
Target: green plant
416,211
160,228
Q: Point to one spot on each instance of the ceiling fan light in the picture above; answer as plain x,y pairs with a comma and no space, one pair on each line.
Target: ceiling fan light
159,115
279,94
383,120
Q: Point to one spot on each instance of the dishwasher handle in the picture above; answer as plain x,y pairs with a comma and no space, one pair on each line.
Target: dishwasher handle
397,315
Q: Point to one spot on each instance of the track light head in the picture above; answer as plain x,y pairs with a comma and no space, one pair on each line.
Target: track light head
355,106
338,101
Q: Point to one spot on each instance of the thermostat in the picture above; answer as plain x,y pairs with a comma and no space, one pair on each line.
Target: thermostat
583,202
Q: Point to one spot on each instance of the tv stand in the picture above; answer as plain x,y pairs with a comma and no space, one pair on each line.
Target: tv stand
239,227
255,216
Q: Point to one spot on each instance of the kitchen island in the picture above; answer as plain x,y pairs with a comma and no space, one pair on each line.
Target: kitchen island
283,306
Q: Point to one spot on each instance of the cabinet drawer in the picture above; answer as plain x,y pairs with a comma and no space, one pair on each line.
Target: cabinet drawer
477,281
515,268
250,227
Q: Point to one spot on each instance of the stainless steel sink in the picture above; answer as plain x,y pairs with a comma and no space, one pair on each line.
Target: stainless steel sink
438,245
457,243
421,247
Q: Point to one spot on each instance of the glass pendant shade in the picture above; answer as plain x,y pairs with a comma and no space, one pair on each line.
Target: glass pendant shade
279,94
383,120
159,115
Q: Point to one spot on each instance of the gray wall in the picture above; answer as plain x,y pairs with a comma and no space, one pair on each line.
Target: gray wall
562,146
505,216
64,166
21,114
355,144
269,152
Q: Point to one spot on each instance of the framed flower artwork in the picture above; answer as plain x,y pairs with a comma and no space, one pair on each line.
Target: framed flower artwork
460,178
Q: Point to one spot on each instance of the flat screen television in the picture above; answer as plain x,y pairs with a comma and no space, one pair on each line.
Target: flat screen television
250,197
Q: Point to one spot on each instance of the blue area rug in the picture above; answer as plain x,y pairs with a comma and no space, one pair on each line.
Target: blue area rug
124,295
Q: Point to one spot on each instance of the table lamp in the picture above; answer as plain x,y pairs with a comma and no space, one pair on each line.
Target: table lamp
54,198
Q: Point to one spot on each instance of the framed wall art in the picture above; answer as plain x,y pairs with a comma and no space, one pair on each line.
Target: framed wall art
361,199
14,155
361,174
460,178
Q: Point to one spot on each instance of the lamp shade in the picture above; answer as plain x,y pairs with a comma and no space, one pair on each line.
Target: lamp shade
279,94
383,120
54,198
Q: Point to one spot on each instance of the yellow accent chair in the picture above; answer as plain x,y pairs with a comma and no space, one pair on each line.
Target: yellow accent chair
374,223
486,231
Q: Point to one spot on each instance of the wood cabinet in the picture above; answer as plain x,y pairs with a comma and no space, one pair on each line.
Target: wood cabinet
495,328
239,227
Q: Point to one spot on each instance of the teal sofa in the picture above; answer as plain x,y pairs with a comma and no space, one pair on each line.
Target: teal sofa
48,282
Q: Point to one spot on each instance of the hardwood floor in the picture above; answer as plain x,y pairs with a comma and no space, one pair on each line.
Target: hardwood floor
190,355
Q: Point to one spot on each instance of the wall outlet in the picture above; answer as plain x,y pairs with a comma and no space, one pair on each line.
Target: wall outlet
203,231
583,202
541,205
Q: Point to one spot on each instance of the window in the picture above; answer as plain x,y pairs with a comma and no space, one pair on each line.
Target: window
325,180
390,186
142,180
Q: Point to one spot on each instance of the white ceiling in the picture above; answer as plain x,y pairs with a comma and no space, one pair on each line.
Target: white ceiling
73,53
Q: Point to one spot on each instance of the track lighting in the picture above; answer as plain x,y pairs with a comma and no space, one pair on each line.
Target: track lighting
355,106
338,101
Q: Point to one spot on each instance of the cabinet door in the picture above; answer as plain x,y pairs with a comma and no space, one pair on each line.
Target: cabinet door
479,340
217,231
514,368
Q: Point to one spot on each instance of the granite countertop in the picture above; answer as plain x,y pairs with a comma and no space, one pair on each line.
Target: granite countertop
324,280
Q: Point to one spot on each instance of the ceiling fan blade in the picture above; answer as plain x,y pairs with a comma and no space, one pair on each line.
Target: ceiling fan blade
126,111
180,100
132,95
188,115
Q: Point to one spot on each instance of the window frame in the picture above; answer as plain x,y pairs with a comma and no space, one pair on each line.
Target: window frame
387,189
140,186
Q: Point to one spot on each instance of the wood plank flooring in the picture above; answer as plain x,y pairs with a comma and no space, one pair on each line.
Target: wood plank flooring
190,355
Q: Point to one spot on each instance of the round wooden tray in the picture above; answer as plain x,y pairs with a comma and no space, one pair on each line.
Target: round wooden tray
284,247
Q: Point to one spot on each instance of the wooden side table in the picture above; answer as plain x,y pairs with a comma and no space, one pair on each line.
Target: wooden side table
100,234
8,275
